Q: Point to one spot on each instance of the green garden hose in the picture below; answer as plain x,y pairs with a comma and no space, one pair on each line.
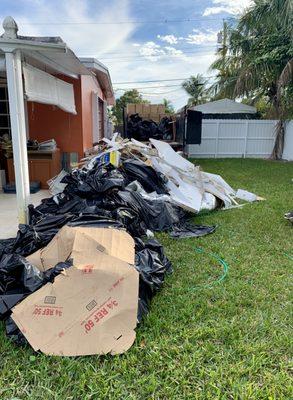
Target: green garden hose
289,256
221,261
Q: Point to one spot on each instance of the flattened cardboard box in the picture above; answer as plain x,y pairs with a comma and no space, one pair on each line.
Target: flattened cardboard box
92,307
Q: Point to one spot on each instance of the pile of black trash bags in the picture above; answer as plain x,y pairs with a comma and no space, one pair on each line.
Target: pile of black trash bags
99,197
143,130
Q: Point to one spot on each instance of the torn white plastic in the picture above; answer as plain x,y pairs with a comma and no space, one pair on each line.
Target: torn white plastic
247,196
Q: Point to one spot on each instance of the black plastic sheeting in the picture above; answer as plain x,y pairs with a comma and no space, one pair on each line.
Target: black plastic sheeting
188,230
95,198
143,130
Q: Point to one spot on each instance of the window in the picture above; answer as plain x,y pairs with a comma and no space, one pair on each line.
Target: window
4,112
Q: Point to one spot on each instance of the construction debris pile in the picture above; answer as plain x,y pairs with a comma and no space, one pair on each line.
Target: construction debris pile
87,263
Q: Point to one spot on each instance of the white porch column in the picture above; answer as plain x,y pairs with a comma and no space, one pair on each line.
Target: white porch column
18,131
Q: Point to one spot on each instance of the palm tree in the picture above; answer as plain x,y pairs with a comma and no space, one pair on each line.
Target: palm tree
169,109
195,86
258,62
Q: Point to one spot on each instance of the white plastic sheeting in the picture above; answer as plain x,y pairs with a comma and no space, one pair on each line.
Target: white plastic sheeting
45,88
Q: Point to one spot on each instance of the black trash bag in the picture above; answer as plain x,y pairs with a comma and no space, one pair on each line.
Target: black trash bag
74,205
96,210
50,274
31,238
34,215
188,230
54,206
131,220
152,265
18,279
6,246
48,205
166,127
102,179
149,129
133,124
148,177
158,215
143,130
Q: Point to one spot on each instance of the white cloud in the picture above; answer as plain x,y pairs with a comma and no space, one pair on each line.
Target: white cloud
114,45
84,39
155,52
202,37
233,7
151,50
172,51
171,39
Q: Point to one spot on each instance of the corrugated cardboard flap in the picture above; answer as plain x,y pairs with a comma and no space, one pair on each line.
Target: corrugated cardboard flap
117,243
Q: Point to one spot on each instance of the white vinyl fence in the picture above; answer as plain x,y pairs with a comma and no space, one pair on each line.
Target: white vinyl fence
223,138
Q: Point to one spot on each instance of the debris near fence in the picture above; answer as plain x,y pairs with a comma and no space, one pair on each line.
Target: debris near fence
143,129
87,265
289,216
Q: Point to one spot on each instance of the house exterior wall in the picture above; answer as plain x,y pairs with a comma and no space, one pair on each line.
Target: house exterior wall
73,133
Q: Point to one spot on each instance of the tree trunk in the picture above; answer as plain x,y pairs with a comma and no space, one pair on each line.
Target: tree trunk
279,130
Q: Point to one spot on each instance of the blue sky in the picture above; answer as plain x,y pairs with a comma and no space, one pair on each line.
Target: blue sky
133,51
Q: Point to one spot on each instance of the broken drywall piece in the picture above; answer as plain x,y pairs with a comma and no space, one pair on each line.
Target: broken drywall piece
171,157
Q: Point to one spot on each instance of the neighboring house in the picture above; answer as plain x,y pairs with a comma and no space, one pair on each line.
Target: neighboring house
226,109
85,120
47,92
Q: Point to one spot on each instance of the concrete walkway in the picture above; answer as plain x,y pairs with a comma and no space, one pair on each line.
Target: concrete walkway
8,213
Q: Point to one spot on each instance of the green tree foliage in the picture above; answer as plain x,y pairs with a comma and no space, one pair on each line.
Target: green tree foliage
255,59
195,86
131,96
169,108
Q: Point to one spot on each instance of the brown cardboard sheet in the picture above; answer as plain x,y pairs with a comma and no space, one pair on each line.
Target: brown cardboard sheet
91,308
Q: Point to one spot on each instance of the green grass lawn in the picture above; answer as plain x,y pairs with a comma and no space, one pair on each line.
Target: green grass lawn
227,341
